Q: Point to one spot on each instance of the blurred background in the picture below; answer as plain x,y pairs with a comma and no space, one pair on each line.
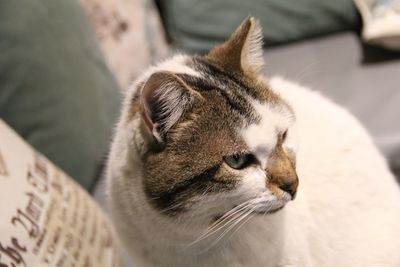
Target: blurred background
65,64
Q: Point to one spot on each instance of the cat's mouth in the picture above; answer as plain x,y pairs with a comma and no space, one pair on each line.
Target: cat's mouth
266,209
270,211
270,207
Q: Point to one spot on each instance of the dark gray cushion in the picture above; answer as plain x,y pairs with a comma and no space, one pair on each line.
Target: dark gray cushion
198,25
55,89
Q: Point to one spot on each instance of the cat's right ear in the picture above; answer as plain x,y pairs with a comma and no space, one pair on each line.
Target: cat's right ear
164,99
243,51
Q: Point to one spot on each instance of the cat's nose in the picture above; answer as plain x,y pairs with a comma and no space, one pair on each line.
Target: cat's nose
290,186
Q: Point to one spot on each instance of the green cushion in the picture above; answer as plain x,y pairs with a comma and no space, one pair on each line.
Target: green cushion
55,89
198,25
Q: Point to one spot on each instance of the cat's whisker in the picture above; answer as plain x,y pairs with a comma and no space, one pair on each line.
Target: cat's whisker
244,222
205,191
171,207
221,224
240,219
308,69
251,215
230,217
223,234
230,213
250,201
227,216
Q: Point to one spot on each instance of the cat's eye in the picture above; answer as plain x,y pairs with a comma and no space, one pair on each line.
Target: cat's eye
239,161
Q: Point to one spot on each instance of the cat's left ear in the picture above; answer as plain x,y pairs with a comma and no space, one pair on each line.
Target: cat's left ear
164,99
243,51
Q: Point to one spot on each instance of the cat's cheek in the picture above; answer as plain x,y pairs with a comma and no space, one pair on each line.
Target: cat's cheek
253,182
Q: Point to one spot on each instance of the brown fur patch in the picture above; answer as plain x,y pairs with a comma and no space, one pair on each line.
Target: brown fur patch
281,170
229,54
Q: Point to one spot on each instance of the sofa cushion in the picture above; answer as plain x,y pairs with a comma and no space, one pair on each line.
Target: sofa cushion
130,35
55,89
199,25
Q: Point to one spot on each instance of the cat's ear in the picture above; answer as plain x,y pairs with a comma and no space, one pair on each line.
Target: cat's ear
243,51
164,98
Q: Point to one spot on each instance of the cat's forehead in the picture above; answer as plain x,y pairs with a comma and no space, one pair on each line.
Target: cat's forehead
231,95
262,136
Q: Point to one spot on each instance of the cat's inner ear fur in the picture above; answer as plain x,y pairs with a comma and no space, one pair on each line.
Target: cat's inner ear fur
164,99
243,51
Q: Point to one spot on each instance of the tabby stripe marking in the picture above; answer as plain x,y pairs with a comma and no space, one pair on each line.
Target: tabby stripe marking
195,185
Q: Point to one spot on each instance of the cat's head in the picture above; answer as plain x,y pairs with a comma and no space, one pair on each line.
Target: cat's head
217,136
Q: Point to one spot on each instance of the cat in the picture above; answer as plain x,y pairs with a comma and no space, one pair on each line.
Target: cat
213,164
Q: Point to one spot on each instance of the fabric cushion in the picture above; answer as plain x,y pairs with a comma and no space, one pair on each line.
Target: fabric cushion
55,89
130,35
198,25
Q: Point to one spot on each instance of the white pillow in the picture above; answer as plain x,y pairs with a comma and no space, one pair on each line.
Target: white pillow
47,219
130,34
